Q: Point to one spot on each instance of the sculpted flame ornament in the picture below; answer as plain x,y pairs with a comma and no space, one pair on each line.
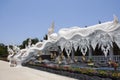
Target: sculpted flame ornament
68,48
83,45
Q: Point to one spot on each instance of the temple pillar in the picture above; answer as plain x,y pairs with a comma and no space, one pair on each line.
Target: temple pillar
72,54
90,54
111,54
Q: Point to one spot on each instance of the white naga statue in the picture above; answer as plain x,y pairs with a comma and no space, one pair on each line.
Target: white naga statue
18,56
13,54
70,39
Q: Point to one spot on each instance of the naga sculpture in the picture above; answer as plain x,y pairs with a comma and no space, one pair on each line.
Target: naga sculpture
70,39
18,56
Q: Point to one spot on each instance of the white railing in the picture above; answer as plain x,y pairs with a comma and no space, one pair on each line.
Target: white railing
100,58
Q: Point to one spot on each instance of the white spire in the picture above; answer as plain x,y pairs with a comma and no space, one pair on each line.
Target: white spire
51,30
115,19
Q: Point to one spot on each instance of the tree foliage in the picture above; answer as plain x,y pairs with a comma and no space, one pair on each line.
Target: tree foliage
3,47
3,50
25,42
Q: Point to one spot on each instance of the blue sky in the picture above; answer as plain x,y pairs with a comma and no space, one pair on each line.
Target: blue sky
21,19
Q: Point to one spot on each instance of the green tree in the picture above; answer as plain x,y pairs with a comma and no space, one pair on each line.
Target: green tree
25,42
3,50
35,40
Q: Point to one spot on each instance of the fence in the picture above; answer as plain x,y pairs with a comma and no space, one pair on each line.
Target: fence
101,58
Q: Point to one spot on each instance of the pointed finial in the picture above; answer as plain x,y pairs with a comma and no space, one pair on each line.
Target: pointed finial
51,29
29,42
115,19
53,25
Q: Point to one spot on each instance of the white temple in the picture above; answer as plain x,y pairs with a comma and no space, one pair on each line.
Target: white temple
70,40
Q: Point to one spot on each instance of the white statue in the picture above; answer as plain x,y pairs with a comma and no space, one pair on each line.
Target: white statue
103,35
19,56
11,54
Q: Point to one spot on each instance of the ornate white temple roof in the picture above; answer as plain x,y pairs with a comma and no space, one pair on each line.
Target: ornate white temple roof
103,34
72,31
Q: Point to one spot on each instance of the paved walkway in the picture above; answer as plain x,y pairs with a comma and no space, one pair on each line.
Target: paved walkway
24,73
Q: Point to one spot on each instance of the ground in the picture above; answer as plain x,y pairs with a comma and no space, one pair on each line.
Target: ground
25,73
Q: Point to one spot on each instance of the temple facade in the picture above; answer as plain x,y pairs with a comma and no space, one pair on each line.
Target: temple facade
100,42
